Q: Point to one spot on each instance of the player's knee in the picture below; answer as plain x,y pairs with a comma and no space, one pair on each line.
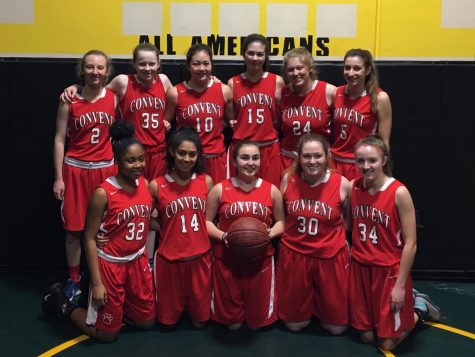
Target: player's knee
106,337
234,327
198,324
367,336
387,344
145,325
297,326
334,329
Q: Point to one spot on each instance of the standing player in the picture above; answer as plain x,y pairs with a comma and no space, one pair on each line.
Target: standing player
202,104
84,126
121,282
314,263
183,259
383,251
256,97
142,102
361,108
305,104
244,291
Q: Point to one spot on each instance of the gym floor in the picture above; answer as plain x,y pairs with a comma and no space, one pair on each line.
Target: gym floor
27,331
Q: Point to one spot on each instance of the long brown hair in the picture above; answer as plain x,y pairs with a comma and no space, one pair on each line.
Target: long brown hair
371,80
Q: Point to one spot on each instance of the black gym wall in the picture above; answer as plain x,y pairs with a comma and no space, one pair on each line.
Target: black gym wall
433,122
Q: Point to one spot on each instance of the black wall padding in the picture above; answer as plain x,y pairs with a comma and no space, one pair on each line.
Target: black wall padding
432,148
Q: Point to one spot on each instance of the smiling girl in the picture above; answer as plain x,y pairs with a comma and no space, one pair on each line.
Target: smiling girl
361,108
305,103
203,104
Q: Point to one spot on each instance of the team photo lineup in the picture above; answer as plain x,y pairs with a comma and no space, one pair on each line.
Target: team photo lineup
296,216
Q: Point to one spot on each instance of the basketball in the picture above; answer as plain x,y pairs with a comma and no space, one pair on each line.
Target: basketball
248,237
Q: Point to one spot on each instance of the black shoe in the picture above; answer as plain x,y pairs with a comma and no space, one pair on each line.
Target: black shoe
55,303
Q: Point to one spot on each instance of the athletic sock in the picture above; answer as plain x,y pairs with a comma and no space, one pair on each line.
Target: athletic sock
74,273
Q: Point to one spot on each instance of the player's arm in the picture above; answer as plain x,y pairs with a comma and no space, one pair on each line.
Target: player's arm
212,203
278,95
228,106
330,93
95,211
284,183
209,183
345,189
347,212
165,81
170,108
385,117
119,85
67,96
407,216
58,149
278,213
153,189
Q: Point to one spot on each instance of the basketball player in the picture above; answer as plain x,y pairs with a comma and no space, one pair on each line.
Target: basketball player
256,97
121,282
305,104
88,160
142,102
361,108
383,251
243,290
314,262
183,259
203,104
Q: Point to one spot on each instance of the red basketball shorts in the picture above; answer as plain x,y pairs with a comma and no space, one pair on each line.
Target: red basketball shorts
130,293
370,291
309,286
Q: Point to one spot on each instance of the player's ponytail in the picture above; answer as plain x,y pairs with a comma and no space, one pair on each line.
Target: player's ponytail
122,136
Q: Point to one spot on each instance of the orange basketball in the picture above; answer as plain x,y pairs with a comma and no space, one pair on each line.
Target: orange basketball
248,237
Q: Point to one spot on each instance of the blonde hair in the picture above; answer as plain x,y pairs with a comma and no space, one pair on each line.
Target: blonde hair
305,57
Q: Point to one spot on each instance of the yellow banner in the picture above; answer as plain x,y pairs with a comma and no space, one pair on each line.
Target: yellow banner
391,29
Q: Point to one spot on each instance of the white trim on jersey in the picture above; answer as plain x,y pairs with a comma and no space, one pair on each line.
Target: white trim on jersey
236,184
264,75
113,181
170,179
387,183
89,165
272,288
126,259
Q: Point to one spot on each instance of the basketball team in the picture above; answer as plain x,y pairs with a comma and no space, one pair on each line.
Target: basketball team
138,157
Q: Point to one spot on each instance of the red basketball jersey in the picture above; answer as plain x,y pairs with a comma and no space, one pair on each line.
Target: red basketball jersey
254,104
204,112
353,120
314,223
127,218
182,217
304,114
376,234
88,128
144,108
236,203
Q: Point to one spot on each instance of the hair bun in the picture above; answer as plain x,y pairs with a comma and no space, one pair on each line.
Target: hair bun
121,129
